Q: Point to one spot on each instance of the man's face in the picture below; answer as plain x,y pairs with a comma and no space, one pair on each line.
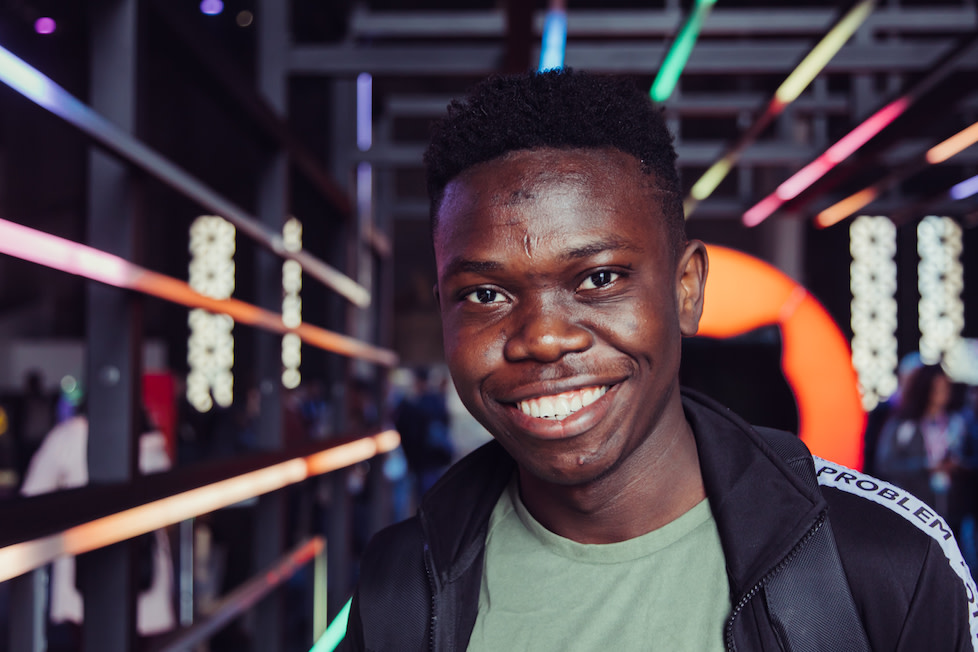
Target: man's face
563,308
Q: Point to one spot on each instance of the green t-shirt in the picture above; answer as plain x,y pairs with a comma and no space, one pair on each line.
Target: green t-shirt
665,590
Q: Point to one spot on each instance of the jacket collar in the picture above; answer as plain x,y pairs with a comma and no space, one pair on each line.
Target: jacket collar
762,508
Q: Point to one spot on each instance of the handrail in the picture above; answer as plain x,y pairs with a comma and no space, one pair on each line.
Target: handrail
24,556
245,596
65,255
32,84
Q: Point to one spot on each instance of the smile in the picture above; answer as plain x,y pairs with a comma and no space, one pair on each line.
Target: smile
560,406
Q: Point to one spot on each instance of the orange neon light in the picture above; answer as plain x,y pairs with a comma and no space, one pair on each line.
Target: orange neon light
75,258
19,558
846,207
744,293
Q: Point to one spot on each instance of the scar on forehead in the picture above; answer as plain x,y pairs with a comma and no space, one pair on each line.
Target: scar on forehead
521,195
528,245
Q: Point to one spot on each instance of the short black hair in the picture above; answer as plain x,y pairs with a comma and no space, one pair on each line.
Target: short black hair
562,109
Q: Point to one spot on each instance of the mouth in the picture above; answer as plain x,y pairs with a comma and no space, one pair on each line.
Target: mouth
560,406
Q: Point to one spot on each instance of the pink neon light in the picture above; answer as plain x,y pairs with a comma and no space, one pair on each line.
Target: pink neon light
762,210
869,128
51,251
803,178
841,150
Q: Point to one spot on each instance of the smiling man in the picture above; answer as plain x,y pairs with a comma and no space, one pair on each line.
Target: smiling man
613,510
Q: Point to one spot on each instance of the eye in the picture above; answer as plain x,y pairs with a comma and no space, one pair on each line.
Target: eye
485,295
599,279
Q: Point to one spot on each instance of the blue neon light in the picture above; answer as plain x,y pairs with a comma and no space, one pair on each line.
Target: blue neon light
554,40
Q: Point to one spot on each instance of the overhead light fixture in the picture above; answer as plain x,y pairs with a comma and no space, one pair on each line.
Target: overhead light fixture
834,155
937,154
963,52
789,90
843,209
672,66
554,41
965,189
822,53
953,145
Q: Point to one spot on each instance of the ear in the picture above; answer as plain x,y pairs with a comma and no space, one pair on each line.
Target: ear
690,285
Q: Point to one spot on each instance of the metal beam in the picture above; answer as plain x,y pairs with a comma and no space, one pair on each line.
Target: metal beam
689,104
224,75
653,23
689,153
716,57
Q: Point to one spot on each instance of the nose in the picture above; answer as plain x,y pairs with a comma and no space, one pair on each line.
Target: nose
545,333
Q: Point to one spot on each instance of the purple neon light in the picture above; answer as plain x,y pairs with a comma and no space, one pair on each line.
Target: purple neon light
966,188
45,25
211,7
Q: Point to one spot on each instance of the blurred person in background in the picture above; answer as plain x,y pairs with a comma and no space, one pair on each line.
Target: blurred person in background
924,447
885,410
61,462
423,421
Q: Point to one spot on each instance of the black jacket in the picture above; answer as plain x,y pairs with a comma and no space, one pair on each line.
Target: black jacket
904,589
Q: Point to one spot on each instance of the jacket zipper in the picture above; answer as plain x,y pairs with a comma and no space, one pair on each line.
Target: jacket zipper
431,590
728,635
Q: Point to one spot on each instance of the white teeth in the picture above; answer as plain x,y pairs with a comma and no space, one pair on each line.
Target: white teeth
562,405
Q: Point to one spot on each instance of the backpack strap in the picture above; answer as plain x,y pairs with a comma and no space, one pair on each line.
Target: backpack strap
810,602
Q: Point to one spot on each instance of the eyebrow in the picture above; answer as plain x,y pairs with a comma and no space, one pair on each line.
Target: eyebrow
463,265
595,248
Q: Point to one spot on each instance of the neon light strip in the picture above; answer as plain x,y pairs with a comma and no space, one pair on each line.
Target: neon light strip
33,85
672,67
335,632
953,145
51,251
365,127
245,596
834,155
19,558
796,81
843,209
554,41
822,53
936,154
966,188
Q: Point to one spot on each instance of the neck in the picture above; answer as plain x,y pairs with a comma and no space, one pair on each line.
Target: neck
655,485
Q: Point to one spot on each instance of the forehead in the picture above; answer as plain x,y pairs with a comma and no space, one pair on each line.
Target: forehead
550,193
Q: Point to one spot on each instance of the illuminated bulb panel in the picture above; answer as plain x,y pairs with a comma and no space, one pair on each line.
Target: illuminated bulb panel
291,306
873,283
940,280
210,348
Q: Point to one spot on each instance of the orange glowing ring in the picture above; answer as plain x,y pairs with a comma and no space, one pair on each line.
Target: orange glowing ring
744,293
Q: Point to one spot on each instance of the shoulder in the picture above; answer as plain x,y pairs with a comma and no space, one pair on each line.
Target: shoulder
396,549
392,599
904,566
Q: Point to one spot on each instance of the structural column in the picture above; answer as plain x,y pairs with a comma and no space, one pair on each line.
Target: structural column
113,325
272,209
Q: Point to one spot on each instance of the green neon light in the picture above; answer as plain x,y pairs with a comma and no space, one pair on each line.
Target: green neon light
335,632
711,179
678,55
